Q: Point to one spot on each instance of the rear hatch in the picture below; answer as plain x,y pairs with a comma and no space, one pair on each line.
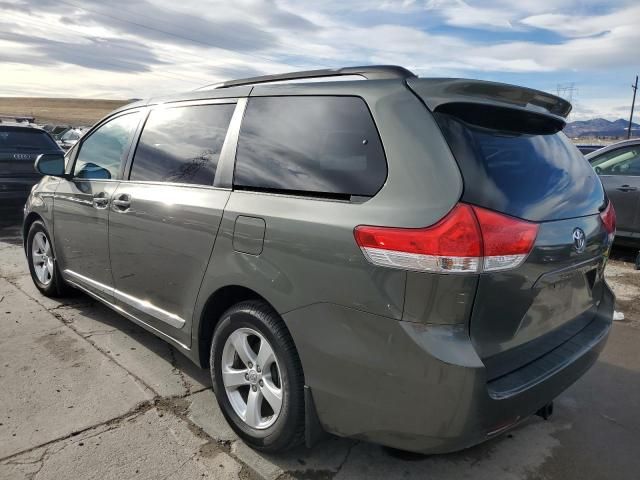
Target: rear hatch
19,148
515,160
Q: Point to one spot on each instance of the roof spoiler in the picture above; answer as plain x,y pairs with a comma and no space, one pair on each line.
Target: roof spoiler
436,92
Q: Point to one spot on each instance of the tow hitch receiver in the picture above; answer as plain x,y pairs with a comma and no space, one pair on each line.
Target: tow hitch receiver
546,411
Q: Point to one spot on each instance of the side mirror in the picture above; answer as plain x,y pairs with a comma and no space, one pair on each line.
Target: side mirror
50,164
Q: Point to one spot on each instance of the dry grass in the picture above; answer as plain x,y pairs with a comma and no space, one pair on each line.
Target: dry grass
72,111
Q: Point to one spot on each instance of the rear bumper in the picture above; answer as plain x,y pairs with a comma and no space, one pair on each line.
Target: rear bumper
422,387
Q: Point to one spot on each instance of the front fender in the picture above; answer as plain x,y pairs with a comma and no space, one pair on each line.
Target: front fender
40,205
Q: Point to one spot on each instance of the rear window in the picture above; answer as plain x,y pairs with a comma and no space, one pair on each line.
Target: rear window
313,145
529,171
24,139
182,144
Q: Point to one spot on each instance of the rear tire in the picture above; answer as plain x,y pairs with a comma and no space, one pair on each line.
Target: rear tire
42,262
638,261
263,403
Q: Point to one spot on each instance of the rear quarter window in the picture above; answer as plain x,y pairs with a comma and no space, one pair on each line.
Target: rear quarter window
315,145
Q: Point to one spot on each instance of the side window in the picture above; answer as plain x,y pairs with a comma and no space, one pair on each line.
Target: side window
102,152
182,144
311,144
624,161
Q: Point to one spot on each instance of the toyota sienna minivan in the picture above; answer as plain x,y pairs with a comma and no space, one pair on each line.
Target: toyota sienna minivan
413,262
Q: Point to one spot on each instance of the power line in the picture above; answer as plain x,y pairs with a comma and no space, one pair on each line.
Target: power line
166,74
165,53
155,47
176,35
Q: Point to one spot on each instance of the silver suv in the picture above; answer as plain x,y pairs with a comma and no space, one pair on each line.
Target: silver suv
413,262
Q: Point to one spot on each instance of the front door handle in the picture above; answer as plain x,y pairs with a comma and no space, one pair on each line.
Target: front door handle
627,188
121,202
100,200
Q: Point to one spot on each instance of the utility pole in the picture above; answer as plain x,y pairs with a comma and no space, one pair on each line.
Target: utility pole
633,103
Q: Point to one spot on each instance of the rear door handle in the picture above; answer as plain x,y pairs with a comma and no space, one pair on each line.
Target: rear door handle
627,188
100,200
121,202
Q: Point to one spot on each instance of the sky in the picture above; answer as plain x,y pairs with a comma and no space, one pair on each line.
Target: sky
138,48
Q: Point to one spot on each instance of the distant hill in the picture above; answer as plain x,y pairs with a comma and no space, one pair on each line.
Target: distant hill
66,111
599,127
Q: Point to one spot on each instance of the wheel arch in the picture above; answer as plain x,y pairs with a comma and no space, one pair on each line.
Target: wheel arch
26,225
217,303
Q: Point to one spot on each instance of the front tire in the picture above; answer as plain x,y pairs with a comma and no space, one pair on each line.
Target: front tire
257,377
42,262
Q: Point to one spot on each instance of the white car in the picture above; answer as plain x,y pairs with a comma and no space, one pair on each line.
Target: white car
70,138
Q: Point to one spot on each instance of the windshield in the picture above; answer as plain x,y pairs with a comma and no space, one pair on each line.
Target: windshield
24,139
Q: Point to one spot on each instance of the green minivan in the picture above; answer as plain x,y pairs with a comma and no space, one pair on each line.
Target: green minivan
417,262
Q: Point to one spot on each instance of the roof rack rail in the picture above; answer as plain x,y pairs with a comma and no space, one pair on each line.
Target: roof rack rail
372,72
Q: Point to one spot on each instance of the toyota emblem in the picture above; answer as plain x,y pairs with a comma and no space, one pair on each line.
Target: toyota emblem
579,240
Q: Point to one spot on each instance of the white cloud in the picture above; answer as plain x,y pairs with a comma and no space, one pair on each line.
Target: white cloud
610,49
567,25
573,25
460,14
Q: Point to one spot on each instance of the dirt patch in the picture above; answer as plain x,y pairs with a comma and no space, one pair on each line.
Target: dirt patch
179,406
65,348
624,280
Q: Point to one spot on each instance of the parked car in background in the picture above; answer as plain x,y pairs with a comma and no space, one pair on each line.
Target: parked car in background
55,130
69,138
414,262
17,119
20,144
585,149
618,166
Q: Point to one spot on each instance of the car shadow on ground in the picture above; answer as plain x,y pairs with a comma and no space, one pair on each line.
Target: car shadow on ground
106,320
11,222
624,253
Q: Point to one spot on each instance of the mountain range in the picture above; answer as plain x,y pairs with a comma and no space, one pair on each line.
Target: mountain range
599,127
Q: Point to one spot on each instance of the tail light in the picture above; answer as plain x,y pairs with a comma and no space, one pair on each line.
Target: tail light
467,239
608,216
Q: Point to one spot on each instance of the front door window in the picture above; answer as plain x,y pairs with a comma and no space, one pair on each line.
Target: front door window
101,153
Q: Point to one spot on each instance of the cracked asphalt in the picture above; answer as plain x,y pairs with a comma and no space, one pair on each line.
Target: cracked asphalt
86,394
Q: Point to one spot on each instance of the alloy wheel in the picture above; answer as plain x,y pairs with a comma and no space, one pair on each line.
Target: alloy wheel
251,378
42,258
